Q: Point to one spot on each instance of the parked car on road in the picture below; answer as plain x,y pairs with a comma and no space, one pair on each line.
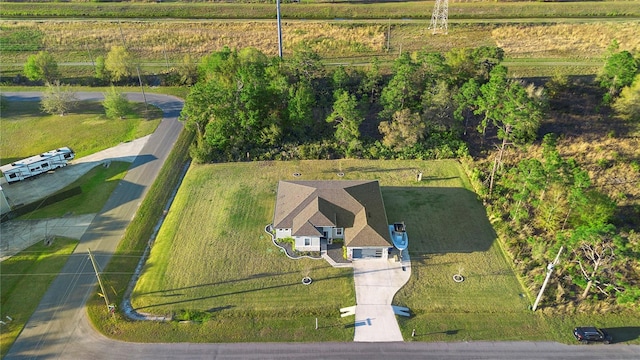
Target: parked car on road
591,334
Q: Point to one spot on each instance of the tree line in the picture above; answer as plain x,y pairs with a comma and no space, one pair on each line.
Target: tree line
543,201
249,106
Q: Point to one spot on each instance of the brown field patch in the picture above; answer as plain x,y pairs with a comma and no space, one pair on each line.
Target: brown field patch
565,40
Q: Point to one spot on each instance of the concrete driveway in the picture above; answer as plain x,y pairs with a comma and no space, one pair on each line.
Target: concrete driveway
31,190
17,235
376,282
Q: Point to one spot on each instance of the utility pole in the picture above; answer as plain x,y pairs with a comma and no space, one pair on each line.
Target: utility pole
144,96
279,29
389,35
104,293
166,59
90,56
546,280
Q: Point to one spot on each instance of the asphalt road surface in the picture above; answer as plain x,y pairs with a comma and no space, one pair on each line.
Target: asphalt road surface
59,328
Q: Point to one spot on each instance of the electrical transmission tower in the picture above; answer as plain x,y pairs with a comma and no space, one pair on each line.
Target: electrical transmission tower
440,17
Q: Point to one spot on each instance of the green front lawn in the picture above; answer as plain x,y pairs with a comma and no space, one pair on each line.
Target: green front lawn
213,261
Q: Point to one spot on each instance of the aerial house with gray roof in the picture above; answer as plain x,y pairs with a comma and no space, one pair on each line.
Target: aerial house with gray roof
315,213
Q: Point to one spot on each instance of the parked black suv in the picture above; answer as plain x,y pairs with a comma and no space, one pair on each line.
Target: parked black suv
591,334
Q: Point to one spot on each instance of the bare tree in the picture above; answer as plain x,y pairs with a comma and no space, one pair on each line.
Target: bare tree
594,258
58,99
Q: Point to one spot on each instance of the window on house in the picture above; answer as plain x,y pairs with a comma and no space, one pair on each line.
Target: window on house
307,242
339,231
14,175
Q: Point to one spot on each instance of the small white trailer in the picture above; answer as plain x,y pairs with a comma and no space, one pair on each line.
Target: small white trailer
37,164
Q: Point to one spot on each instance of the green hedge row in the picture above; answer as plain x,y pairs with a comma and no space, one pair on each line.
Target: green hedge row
25,209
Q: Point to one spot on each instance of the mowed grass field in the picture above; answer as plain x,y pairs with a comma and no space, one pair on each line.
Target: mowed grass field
211,256
97,186
86,129
449,234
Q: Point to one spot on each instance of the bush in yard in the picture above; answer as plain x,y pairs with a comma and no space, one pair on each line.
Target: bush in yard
58,99
116,104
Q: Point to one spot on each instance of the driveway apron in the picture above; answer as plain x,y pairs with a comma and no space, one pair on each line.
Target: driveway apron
376,283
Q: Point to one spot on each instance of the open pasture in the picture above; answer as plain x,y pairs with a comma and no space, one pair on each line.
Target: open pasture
531,48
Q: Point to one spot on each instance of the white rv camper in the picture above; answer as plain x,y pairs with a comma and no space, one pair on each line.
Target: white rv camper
37,164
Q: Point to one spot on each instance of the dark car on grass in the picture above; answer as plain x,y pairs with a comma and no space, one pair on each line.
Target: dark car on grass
591,334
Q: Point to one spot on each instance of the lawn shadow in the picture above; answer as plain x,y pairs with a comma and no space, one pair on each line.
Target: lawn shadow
220,308
243,291
167,293
250,277
440,220
446,332
623,334
376,169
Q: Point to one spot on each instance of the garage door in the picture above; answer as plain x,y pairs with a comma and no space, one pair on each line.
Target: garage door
371,253
366,253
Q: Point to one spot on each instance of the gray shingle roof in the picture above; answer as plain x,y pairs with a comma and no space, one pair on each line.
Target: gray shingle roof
354,205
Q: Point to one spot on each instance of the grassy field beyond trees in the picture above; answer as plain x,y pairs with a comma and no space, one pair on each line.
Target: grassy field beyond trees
575,48
323,9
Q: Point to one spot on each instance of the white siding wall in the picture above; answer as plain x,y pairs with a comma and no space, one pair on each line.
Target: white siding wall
314,243
283,233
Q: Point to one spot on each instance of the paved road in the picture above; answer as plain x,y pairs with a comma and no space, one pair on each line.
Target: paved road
59,329
49,332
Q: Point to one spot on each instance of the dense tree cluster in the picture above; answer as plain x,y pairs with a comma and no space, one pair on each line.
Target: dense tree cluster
248,106
620,79
619,71
548,201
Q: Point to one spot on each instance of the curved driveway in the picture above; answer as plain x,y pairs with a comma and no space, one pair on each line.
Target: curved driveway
59,329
